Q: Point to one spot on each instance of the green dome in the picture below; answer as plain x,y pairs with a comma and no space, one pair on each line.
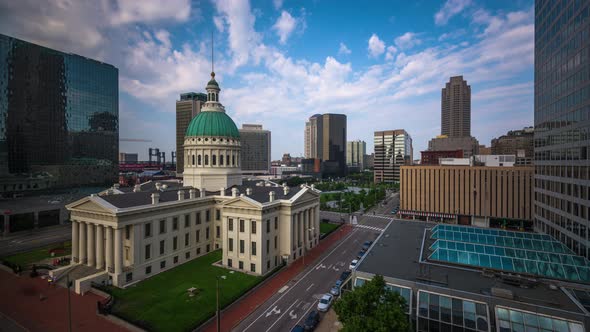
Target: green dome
213,82
212,123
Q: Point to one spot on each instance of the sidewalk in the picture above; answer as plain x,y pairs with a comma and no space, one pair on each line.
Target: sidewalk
239,310
21,302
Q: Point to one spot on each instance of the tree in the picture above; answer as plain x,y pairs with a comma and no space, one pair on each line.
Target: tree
372,307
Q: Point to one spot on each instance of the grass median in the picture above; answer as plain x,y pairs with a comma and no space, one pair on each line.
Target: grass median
162,302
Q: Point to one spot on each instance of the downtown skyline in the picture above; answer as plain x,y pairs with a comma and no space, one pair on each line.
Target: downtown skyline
281,62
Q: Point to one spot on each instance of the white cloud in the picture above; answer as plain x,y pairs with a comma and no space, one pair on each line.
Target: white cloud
376,46
131,11
391,50
278,4
284,26
407,40
450,9
344,50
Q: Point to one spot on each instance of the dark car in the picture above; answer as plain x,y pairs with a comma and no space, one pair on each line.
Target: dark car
344,275
297,328
360,254
311,321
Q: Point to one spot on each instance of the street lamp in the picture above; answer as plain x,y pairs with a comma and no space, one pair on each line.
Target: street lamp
218,312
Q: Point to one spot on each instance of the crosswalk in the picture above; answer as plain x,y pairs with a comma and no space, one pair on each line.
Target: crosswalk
373,228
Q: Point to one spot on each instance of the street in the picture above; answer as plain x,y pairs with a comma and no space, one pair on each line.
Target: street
292,303
28,240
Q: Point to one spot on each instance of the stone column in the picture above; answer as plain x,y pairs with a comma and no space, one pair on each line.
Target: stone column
90,239
118,251
109,249
311,232
82,245
301,228
75,233
317,222
293,232
99,247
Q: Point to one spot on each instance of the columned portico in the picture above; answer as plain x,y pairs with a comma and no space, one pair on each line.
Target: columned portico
109,249
90,238
99,247
118,251
82,246
75,239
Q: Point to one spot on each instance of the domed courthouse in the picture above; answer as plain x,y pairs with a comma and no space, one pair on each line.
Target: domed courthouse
124,235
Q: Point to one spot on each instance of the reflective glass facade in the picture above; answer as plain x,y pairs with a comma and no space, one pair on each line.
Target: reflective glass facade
510,319
59,117
437,312
562,121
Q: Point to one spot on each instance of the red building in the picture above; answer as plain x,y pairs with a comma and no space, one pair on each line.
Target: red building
432,157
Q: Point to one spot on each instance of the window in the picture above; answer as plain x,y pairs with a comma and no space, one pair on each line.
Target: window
129,277
241,246
207,215
221,159
127,232
213,160
127,251
175,243
147,229
242,225
267,265
198,236
252,267
187,255
276,223
217,232
275,241
186,239
253,226
253,248
207,233
162,264
175,260
187,221
208,247
162,246
230,224
148,269
231,244
229,262
217,214
199,160
193,159
198,251
241,265
268,225
175,224
148,251
267,245
162,226
198,222
206,160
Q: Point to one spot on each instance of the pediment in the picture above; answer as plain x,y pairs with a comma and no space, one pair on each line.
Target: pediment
307,195
240,202
86,204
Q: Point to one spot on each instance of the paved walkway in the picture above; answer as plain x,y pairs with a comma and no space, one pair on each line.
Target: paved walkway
20,301
239,310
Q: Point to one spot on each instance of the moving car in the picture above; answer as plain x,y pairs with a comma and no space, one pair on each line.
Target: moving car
312,321
325,302
353,264
335,290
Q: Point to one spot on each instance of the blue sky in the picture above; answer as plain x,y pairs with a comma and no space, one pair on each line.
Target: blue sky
382,63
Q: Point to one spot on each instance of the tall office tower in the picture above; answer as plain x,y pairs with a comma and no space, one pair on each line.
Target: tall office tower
456,108
187,108
393,148
255,149
60,118
562,122
307,140
332,145
355,154
313,136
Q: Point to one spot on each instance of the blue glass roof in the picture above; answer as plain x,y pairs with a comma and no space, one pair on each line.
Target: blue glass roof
519,252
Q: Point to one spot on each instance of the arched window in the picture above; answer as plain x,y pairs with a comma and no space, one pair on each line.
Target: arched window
233,160
206,160
213,160
193,163
199,160
220,160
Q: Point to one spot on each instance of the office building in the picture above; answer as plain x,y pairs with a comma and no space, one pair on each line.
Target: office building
124,235
128,157
562,122
325,139
60,118
355,155
468,195
433,157
187,108
393,148
484,150
517,142
456,108
469,145
456,278
255,149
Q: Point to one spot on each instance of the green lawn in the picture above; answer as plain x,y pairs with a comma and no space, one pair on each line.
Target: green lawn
326,227
37,255
162,303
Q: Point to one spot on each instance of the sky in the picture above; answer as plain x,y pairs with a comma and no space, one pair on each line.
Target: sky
382,63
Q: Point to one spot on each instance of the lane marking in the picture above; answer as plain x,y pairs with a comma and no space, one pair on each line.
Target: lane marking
284,288
308,272
304,314
281,316
310,286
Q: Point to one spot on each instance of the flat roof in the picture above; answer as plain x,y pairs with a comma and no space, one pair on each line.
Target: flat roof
401,252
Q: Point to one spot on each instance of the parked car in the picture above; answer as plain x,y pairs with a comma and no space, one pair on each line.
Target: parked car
325,302
353,264
360,254
297,328
344,275
312,321
335,290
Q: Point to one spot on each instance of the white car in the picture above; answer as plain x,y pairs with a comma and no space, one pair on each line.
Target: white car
353,264
325,302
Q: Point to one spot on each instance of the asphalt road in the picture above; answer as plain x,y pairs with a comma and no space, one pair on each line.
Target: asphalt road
291,304
28,240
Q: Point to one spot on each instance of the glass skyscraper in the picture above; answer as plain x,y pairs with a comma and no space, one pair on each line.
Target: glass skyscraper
562,121
59,118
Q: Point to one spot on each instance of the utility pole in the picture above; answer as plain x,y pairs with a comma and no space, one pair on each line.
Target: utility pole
69,303
218,312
